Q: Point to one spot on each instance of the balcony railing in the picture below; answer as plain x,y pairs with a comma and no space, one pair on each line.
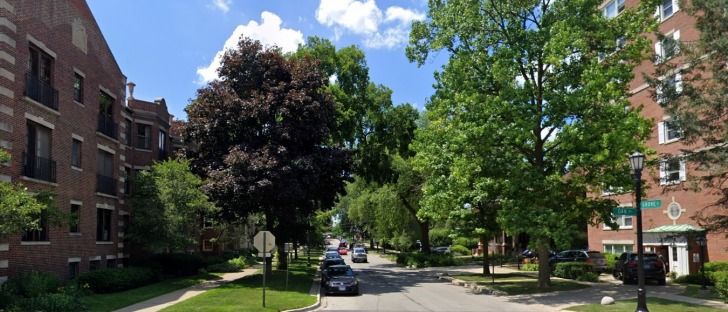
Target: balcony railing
107,126
39,168
106,185
41,92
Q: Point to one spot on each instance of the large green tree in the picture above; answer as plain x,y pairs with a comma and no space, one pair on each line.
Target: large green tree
168,207
542,86
700,110
263,133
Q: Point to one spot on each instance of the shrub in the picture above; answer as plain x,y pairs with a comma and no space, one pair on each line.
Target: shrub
712,267
179,264
440,237
116,279
460,250
470,243
695,279
588,277
51,302
721,284
571,270
223,268
529,267
32,284
38,291
211,260
423,260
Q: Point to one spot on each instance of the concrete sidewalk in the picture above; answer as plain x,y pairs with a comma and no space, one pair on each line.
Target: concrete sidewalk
557,301
163,301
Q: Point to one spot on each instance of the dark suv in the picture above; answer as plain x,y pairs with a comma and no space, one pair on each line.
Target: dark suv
595,258
625,268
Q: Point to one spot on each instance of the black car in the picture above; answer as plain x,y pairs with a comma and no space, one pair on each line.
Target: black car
341,279
595,258
326,263
625,268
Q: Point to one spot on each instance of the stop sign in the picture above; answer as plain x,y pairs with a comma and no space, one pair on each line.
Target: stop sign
270,241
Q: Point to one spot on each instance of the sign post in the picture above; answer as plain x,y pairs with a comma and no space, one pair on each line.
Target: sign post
264,241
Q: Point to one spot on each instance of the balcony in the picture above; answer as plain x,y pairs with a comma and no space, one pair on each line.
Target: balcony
41,92
39,168
106,185
107,126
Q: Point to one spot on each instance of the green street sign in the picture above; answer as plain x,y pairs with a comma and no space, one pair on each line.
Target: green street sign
624,211
649,204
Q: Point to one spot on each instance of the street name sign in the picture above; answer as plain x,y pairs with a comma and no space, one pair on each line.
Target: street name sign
624,211
649,204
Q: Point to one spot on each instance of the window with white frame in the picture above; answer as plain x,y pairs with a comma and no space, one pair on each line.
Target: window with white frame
206,245
669,89
611,190
668,47
619,44
624,222
668,131
672,171
667,9
617,248
613,8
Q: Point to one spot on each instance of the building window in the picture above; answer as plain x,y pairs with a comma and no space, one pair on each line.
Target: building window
106,115
672,171
39,235
613,8
75,218
128,132
103,225
39,79
624,222
669,89
206,245
611,190
668,47
105,182
94,265
162,145
617,248
207,222
72,270
127,180
144,136
78,88
37,162
668,131
76,153
667,9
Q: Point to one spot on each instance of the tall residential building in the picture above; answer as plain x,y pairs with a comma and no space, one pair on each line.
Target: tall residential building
65,120
667,224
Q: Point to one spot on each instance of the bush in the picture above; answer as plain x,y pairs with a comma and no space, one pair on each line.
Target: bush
721,284
50,302
212,260
440,237
712,267
116,279
179,264
37,291
223,268
469,243
588,277
695,279
460,250
571,270
421,260
529,267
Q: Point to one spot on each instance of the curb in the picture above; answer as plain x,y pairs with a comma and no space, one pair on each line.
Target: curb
476,289
315,290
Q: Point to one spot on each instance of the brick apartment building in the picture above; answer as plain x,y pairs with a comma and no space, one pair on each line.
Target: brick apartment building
669,228
65,120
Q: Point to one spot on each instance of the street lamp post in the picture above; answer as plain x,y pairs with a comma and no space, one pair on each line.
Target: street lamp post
702,241
637,161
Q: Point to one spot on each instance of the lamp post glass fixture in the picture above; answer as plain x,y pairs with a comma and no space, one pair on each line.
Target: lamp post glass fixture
637,161
702,241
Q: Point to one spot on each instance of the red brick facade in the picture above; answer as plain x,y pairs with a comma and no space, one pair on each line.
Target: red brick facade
62,90
679,249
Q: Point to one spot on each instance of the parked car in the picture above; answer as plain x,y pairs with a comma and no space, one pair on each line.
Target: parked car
359,255
342,251
329,262
332,248
331,255
595,258
341,279
625,268
441,250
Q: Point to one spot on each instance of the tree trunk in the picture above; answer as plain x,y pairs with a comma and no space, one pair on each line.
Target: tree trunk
295,250
544,272
282,257
425,240
484,243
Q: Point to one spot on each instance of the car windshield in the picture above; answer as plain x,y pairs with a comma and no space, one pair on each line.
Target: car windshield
341,272
359,250
633,257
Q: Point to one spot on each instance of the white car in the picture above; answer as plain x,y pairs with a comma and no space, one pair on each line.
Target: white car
359,255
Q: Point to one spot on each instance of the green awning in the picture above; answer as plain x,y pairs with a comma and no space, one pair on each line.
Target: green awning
675,228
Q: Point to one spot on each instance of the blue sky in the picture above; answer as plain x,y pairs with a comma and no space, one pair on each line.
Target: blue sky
168,48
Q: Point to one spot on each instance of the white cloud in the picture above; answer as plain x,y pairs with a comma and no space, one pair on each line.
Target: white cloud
223,5
364,18
269,32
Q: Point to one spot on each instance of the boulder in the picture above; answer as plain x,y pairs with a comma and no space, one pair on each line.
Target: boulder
607,300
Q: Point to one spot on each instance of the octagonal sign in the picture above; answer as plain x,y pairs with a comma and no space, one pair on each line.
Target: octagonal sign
270,241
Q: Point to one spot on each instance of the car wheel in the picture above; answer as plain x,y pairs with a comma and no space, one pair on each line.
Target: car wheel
617,275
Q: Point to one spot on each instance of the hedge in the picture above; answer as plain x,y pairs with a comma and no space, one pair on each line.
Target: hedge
116,279
179,264
571,270
422,260
721,284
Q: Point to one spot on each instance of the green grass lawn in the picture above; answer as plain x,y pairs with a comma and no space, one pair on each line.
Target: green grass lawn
694,291
113,301
246,294
519,284
653,304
